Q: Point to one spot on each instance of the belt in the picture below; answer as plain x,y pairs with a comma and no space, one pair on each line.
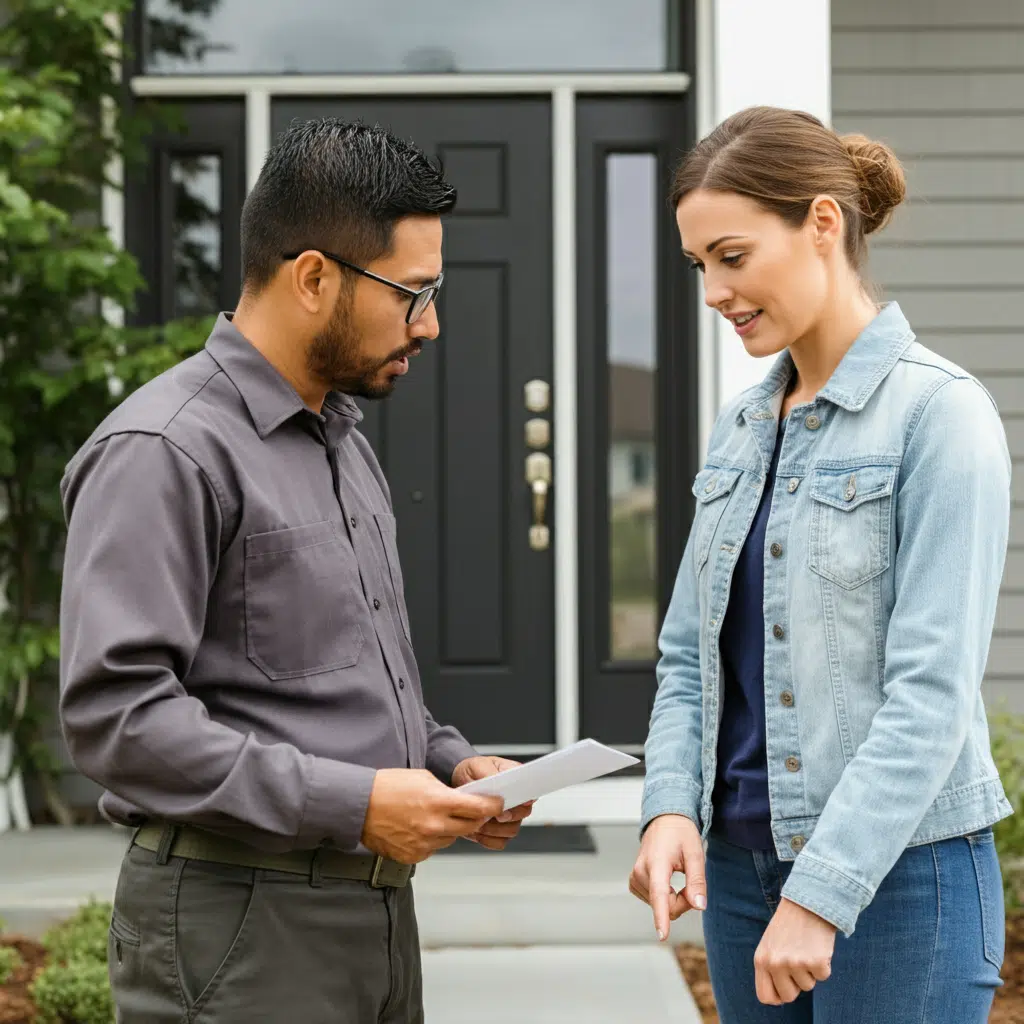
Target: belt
197,844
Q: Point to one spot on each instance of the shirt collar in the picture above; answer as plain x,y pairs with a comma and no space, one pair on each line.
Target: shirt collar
868,361
270,399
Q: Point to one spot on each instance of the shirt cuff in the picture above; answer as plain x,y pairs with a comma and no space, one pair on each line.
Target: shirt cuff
337,796
445,755
822,889
670,794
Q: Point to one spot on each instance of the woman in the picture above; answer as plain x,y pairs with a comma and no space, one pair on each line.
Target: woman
819,719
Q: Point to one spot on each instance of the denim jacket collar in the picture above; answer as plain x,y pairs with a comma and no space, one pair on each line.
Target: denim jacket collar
868,362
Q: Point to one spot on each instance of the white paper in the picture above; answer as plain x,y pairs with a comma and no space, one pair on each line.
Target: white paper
569,766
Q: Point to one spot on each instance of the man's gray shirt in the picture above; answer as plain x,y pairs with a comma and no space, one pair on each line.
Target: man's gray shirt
235,649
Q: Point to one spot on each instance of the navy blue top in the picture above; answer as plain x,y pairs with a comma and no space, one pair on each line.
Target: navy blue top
741,812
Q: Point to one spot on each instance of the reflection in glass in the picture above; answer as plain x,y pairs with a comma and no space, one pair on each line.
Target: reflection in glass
631,210
196,234
396,36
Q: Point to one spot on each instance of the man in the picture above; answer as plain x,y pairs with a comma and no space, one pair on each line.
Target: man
236,668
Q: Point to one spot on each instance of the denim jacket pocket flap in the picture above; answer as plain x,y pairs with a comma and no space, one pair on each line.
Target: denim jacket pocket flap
848,488
714,483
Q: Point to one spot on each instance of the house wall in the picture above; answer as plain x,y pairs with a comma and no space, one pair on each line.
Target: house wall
942,82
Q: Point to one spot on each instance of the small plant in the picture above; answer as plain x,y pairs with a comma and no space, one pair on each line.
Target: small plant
78,992
1007,732
74,988
10,961
81,937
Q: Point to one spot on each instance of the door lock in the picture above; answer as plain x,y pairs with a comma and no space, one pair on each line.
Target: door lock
538,476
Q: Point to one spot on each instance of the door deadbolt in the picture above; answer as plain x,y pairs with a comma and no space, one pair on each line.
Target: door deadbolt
537,395
538,433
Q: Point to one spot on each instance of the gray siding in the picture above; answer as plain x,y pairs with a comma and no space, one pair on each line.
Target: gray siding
942,81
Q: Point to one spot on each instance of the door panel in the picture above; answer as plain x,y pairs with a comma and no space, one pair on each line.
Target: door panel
451,438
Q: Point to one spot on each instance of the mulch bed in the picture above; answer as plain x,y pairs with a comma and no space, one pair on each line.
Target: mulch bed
15,1005
1007,1009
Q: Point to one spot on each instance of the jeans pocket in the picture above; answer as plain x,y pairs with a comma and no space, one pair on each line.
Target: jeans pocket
212,910
990,893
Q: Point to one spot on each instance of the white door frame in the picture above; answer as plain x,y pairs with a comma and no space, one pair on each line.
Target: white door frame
258,93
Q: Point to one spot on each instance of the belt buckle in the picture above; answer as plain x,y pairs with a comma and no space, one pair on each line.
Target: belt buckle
378,863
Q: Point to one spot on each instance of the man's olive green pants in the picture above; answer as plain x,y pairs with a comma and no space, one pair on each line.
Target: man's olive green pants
195,941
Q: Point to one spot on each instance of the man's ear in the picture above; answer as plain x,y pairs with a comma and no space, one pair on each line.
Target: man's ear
311,278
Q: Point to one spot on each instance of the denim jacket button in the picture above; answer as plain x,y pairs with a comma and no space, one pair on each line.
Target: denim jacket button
793,485
792,764
778,632
787,698
797,843
776,550
812,422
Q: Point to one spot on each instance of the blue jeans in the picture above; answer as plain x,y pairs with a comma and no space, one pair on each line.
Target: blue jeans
927,950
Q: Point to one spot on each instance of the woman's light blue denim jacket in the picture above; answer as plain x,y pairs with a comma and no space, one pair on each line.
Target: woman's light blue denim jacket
891,506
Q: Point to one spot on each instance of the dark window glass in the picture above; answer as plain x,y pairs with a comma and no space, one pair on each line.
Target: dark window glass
195,183
398,36
632,206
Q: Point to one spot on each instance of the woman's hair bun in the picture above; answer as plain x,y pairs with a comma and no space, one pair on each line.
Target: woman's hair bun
883,185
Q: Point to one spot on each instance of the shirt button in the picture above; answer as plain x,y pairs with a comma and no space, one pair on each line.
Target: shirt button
787,698
792,764
812,422
776,550
778,632
797,843
376,603
793,485
352,522
401,684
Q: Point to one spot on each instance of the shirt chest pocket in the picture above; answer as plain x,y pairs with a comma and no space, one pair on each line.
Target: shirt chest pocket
711,488
851,518
302,602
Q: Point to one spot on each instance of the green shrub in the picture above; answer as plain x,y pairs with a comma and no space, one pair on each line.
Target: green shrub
74,987
1008,750
77,992
81,937
10,961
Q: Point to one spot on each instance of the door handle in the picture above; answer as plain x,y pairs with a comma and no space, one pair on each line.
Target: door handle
538,476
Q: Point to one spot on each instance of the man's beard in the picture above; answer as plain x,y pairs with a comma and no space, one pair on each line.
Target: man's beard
334,358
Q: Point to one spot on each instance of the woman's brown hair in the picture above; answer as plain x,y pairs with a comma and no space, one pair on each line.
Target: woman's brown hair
784,159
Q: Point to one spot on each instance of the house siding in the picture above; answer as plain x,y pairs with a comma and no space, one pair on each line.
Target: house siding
942,82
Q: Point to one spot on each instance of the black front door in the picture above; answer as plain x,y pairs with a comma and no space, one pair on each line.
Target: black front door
452,438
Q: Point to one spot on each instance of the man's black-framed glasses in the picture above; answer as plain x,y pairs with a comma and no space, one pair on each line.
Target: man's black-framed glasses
420,298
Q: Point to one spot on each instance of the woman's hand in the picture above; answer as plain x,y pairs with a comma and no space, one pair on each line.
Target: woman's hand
794,954
671,843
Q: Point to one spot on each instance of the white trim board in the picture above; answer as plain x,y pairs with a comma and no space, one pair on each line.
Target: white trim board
404,85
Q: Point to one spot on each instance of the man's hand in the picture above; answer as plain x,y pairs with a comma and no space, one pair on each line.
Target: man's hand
412,815
671,843
795,953
495,833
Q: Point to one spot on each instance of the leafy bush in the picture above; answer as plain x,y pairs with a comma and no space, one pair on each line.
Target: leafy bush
10,961
64,357
1007,732
74,988
77,992
82,937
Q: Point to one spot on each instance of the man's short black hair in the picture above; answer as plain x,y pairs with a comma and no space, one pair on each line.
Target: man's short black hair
337,185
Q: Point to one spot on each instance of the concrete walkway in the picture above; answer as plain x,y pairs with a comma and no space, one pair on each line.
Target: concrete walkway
556,985
507,937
